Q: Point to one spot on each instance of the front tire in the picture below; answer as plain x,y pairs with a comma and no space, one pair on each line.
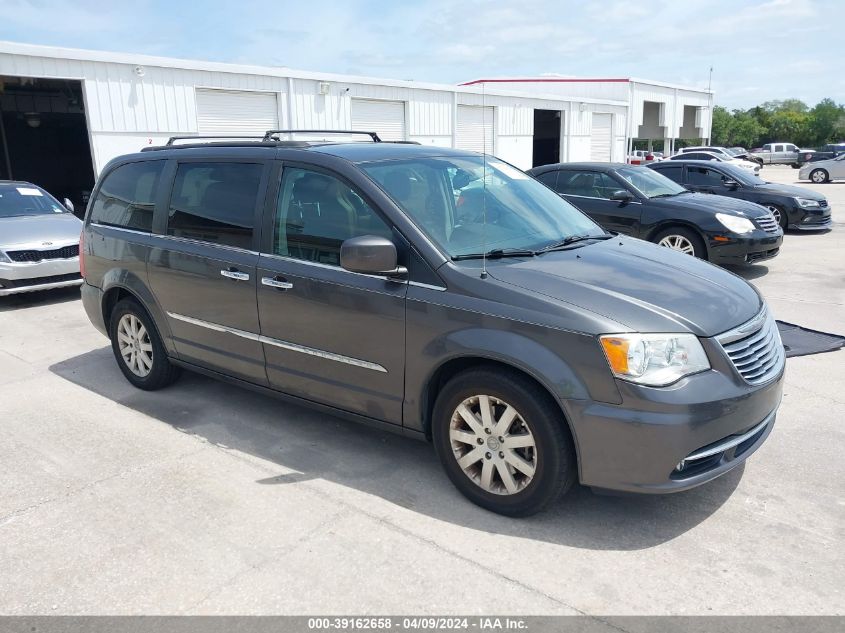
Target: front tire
682,240
503,441
819,176
138,349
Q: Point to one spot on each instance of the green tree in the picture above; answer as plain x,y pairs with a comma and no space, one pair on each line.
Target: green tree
791,126
827,122
722,129
746,130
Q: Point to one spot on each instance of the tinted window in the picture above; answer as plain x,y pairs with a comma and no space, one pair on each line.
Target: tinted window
127,196
704,176
590,184
548,178
672,172
316,213
215,202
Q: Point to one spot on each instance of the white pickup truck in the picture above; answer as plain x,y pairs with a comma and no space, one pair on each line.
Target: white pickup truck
778,154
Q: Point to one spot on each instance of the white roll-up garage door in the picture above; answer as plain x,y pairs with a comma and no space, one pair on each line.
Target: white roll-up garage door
475,128
236,112
601,137
385,118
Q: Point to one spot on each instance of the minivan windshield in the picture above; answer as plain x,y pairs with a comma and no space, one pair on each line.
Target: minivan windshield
470,205
18,199
650,183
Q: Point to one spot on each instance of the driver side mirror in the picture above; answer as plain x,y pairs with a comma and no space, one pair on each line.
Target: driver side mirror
371,255
621,196
733,185
68,204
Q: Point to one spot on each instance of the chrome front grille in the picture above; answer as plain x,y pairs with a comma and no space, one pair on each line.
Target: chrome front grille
755,348
767,223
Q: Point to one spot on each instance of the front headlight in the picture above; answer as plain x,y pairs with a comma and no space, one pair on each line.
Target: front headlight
806,203
735,224
654,360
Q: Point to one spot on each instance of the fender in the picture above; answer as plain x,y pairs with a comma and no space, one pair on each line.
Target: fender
523,353
118,278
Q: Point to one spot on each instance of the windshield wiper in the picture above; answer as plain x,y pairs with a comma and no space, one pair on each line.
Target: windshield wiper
572,239
497,253
670,195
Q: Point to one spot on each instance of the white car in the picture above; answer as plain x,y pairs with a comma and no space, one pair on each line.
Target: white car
824,170
722,158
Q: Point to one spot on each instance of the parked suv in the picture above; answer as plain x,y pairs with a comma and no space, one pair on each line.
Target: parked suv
39,240
642,203
792,207
438,293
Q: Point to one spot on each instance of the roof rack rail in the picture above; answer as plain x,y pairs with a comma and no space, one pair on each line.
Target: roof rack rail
268,136
227,137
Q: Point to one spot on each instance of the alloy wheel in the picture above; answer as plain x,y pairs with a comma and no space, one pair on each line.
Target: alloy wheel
775,212
678,243
493,445
818,176
135,346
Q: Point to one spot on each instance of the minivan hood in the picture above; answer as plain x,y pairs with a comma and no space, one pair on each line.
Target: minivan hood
712,203
789,190
34,230
642,286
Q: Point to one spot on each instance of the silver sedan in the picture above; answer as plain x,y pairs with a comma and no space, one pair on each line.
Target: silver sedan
39,240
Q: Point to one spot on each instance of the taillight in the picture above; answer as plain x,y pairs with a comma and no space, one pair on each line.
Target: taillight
82,254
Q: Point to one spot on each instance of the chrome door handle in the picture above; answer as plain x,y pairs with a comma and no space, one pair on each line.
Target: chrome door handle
275,283
235,274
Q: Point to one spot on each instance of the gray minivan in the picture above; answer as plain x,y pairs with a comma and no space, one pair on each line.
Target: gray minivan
439,293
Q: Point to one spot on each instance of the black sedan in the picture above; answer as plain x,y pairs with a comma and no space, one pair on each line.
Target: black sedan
793,207
640,202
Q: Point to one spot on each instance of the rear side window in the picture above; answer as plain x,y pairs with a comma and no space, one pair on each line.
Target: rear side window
215,202
127,196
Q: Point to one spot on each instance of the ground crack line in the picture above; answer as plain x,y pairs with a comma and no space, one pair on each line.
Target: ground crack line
74,492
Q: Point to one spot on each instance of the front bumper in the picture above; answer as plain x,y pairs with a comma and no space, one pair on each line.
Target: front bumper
758,246
17,277
801,219
711,421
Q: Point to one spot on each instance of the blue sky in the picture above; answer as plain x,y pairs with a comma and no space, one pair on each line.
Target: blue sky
759,49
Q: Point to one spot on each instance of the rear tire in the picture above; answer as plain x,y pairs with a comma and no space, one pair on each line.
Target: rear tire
138,349
682,240
513,455
819,176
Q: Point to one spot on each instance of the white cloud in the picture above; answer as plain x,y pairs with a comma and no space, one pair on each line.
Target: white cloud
753,43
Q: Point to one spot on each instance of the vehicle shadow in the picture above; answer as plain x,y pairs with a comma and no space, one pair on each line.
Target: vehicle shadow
749,272
38,298
401,471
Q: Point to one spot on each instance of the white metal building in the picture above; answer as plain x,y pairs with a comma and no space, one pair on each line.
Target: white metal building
67,112
658,111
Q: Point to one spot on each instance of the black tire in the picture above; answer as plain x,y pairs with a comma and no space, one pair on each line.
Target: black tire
691,236
162,372
795,166
555,455
822,172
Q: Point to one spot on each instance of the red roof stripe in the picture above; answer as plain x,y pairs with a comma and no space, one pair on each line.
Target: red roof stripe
544,80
